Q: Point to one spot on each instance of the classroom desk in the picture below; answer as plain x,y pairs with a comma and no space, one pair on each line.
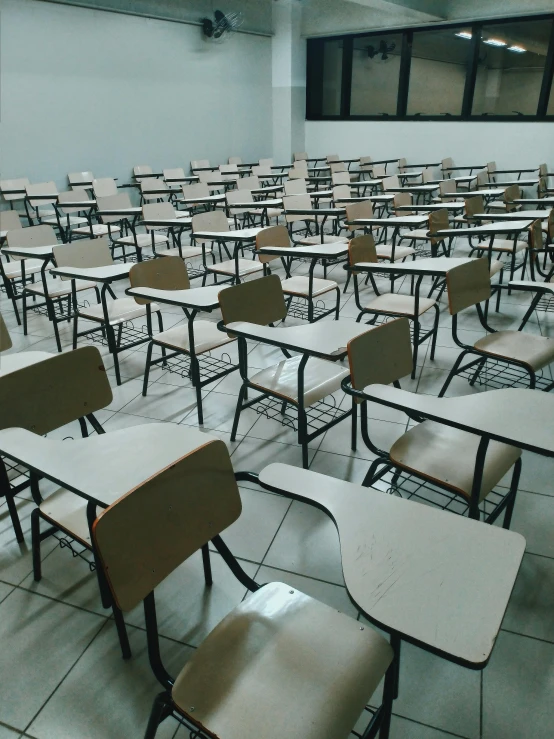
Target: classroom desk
522,183
210,200
45,255
425,576
547,202
429,207
238,238
542,215
18,360
324,252
317,213
192,301
105,276
424,190
262,205
102,467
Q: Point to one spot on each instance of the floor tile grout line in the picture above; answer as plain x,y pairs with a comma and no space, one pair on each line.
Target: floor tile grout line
102,626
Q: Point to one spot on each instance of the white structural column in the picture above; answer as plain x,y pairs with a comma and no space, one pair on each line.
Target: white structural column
288,80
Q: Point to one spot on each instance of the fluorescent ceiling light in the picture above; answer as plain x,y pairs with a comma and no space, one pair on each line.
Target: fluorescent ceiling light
494,42
517,49
464,34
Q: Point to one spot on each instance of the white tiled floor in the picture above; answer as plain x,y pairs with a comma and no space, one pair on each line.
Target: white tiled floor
62,674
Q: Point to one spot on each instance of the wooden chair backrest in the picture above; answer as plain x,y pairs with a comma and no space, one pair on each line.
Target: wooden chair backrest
145,535
296,173
402,168
259,301
142,169
249,183
77,178
340,178
273,236
83,253
169,273
438,221
238,196
341,191
427,175
365,161
300,156
78,194
41,188
113,202
151,183
19,183
196,190
152,211
511,193
391,182
551,225
332,158
382,355
199,163
212,220
362,249
295,186
173,174
9,219
468,284
363,209
301,201
337,167
482,178
104,187
379,171
448,188
47,395
234,160
265,162
474,204
536,239
26,238
447,163
5,338
403,198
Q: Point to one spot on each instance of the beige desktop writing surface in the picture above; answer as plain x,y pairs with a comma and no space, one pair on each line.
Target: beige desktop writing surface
439,580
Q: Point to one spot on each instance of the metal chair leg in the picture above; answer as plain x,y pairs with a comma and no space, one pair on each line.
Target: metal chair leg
35,538
160,710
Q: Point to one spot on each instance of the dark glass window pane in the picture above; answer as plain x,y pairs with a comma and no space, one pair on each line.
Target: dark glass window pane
332,77
438,72
511,64
375,74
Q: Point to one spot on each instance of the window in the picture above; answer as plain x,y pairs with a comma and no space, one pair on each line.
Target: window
332,77
438,73
375,74
510,69
483,70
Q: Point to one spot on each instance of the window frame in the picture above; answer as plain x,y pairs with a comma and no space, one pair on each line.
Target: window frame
314,80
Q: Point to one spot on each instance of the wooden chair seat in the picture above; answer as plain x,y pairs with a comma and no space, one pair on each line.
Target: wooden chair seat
535,351
280,662
206,337
271,212
122,309
396,303
327,239
300,285
228,267
12,269
496,266
507,246
68,512
384,251
98,229
446,455
142,240
57,290
321,378
187,252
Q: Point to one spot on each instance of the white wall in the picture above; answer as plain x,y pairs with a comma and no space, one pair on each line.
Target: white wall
510,144
90,90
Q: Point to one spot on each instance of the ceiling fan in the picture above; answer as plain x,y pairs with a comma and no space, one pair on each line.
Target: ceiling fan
384,49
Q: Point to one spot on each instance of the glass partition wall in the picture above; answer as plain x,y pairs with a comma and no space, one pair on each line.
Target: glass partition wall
501,70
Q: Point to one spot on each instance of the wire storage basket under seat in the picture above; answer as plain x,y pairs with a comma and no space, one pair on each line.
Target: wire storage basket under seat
496,374
76,549
210,367
125,333
298,308
318,415
408,486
